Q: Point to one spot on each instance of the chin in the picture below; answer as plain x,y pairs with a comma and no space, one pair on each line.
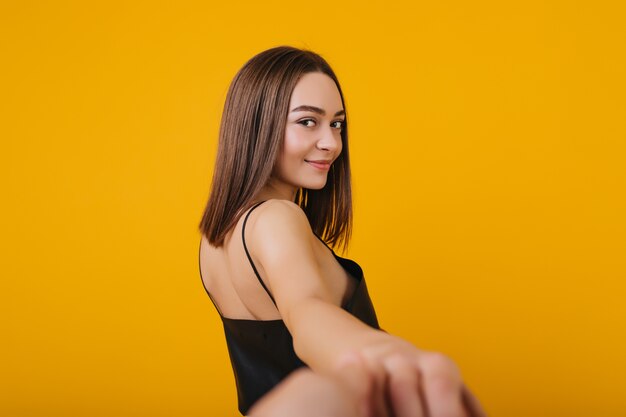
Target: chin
314,185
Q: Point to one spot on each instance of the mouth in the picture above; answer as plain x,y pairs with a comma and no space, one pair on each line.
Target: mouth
320,164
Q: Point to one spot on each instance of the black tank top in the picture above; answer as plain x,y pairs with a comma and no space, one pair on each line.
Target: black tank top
261,351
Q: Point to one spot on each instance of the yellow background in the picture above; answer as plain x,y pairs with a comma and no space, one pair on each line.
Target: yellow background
488,142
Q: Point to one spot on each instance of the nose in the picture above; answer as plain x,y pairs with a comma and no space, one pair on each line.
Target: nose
330,140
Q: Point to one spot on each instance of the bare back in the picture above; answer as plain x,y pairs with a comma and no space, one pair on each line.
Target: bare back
230,280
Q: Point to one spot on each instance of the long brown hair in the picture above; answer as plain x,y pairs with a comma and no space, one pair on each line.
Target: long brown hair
251,134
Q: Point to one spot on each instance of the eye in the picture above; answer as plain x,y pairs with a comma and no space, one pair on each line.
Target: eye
305,121
341,124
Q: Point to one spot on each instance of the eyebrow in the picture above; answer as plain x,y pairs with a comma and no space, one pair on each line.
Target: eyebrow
316,110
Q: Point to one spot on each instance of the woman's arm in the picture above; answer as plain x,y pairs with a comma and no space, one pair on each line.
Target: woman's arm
325,336
308,394
348,392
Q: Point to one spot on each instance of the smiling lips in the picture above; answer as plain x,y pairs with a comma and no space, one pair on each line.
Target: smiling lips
321,164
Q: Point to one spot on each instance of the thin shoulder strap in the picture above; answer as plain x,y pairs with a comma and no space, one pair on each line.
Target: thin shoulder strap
243,239
325,244
202,280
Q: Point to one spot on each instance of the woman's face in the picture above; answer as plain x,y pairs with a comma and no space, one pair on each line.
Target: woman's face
312,134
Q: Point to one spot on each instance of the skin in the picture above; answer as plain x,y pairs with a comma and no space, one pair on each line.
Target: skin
309,136
345,393
307,394
309,285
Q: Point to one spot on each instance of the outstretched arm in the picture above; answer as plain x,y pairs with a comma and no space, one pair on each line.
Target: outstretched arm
348,392
308,394
409,381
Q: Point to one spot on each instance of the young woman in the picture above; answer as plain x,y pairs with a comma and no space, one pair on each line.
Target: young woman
280,202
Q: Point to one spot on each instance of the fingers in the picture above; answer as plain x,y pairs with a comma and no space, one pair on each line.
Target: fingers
408,384
379,405
404,388
471,403
367,381
353,375
441,385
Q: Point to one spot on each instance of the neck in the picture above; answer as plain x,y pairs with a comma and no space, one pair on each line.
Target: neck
277,190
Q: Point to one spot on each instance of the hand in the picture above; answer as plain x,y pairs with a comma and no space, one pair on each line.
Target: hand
408,382
391,378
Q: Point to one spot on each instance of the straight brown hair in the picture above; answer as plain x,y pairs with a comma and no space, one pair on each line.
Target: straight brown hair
251,135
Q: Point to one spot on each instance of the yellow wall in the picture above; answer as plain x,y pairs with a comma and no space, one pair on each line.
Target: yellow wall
488,142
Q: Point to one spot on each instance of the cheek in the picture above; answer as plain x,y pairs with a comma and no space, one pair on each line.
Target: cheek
294,147
289,157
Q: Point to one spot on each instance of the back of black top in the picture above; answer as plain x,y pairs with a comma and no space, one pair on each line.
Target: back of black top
261,351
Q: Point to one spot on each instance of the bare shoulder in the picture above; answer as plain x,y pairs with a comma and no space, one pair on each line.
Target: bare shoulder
283,243
280,214
278,227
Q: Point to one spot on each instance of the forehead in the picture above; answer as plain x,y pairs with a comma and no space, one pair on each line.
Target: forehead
316,89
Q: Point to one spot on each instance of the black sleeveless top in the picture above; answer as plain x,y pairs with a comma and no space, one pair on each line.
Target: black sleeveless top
261,351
